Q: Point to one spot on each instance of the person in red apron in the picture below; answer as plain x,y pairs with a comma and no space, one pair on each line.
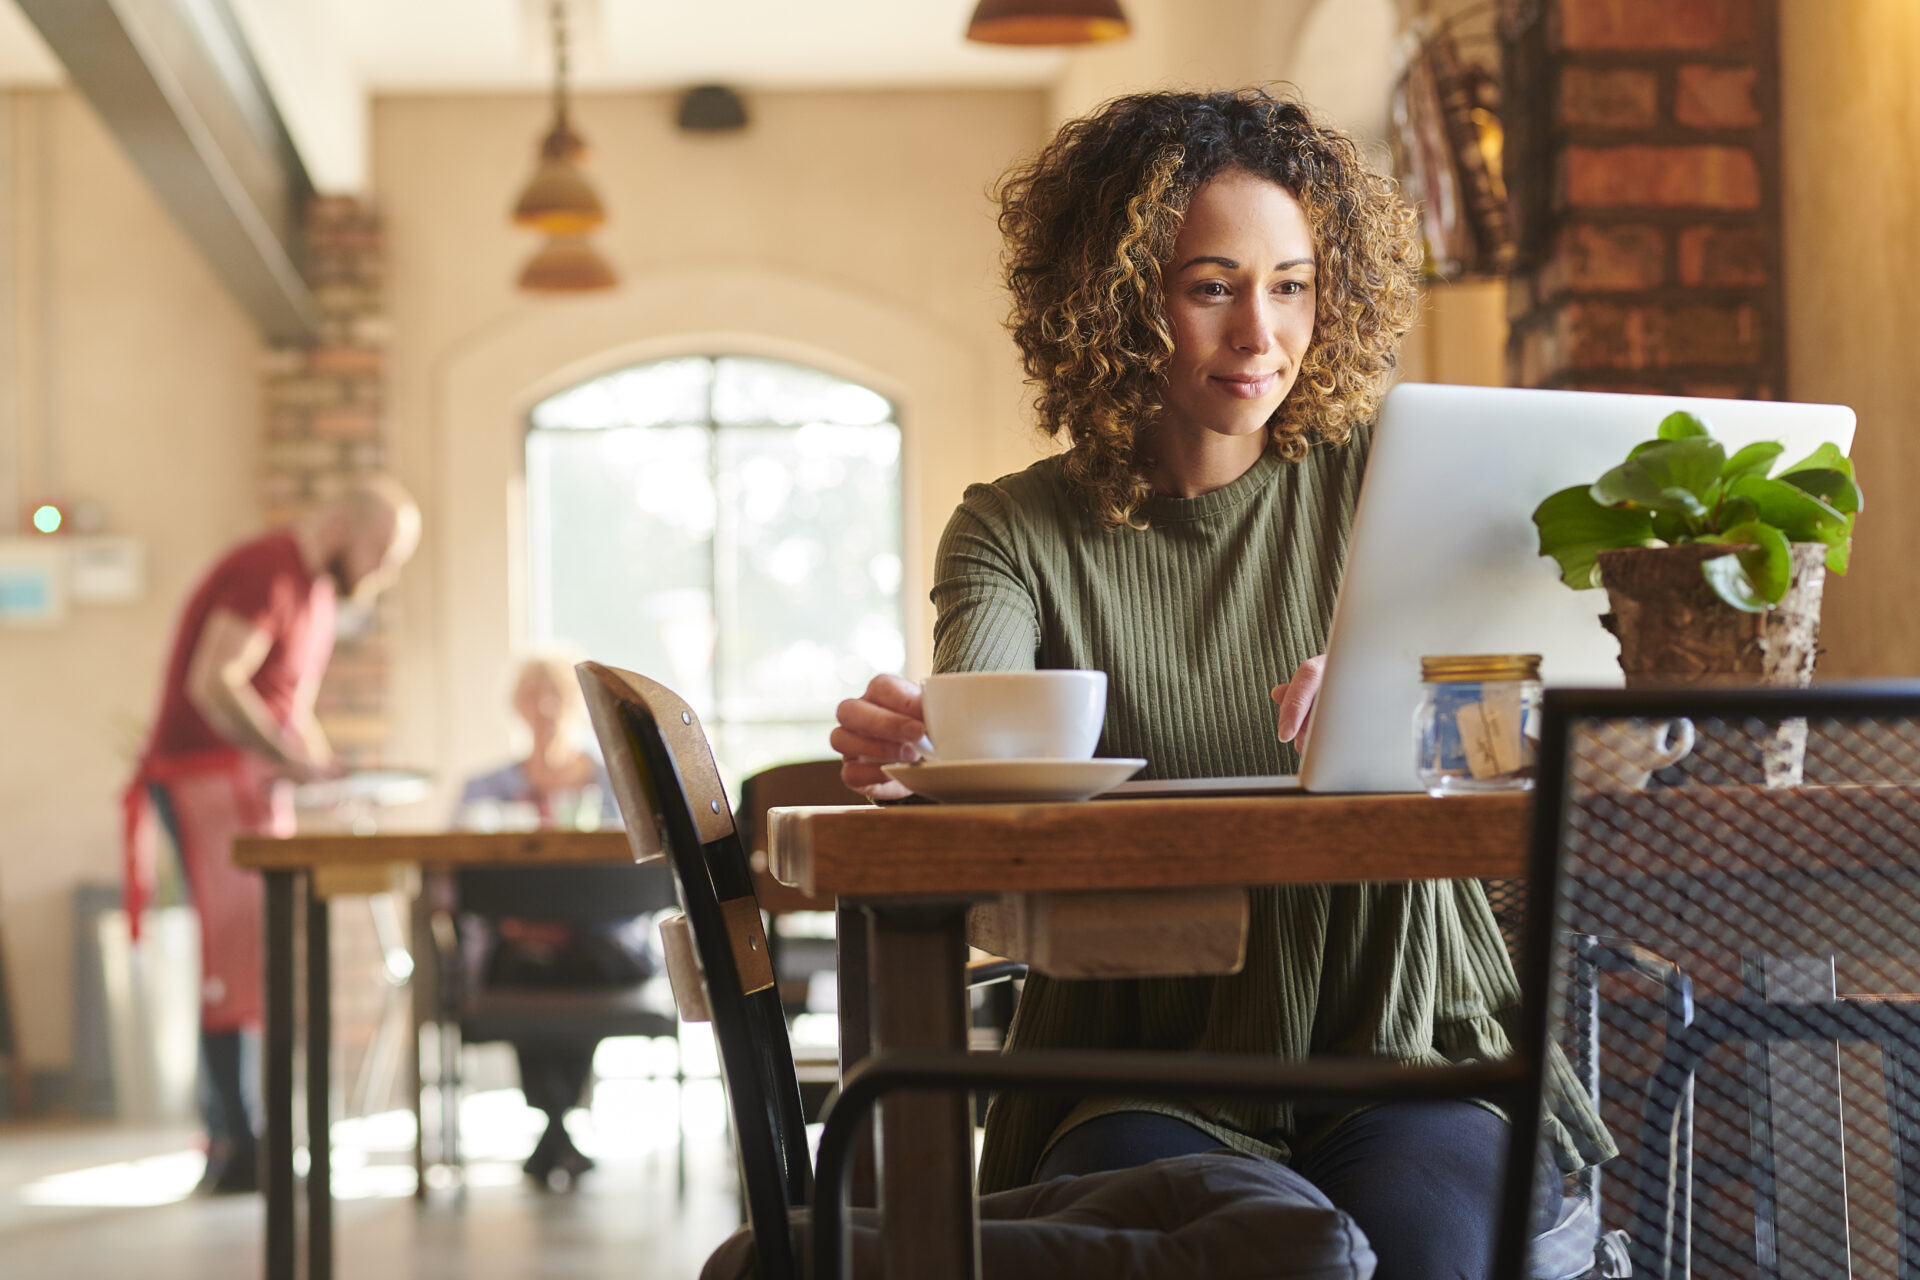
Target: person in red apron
234,731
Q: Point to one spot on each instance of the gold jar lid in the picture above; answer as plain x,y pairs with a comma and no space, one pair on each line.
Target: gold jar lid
1457,668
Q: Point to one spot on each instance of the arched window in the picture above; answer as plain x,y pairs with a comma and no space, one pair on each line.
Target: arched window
730,527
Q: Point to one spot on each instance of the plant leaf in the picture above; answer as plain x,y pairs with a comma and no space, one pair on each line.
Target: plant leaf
1681,425
1799,515
1755,460
1837,489
1838,556
1651,478
1738,510
1574,529
1754,579
1826,458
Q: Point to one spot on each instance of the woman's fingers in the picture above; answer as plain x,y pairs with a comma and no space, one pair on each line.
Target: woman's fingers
1295,697
869,781
882,724
859,746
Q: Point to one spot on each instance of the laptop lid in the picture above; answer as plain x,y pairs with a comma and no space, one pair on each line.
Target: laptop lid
1444,557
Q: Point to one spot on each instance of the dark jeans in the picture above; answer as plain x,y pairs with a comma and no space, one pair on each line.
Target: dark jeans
1421,1179
553,1074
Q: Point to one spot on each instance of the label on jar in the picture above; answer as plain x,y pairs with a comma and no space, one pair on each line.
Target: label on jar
1490,731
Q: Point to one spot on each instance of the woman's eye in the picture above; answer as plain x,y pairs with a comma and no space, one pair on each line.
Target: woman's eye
1210,289
1292,286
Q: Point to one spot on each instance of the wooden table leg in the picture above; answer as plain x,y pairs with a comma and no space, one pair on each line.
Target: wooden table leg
851,974
930,1229
278,1069
319,1090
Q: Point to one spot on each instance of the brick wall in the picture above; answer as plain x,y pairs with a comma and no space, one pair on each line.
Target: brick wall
323,420
323,415
1650,257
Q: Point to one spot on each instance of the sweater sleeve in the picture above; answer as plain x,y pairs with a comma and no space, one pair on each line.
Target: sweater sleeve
986,616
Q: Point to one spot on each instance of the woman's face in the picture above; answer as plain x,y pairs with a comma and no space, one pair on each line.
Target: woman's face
1240,299
540,703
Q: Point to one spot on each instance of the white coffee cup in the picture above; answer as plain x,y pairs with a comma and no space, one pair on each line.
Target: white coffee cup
1622,755
1014,715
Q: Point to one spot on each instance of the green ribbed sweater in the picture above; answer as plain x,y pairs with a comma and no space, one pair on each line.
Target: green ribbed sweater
1195,618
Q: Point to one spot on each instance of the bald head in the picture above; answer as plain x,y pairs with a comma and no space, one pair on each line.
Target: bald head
368,533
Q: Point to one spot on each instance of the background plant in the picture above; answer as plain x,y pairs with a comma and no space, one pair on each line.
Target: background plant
1683,487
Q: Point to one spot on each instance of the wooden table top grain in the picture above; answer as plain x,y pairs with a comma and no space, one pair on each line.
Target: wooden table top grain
1284,838
451,848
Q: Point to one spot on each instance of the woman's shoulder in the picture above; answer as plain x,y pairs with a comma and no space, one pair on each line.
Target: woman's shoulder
1037,493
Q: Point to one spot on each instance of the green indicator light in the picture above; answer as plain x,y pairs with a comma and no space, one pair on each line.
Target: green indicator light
47,519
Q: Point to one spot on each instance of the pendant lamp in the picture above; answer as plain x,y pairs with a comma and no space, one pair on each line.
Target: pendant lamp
567,264
1047,22
558,201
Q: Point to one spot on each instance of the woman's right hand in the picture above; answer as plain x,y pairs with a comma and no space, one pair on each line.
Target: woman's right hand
881,726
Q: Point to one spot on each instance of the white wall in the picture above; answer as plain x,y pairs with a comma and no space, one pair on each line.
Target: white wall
127,377
851,231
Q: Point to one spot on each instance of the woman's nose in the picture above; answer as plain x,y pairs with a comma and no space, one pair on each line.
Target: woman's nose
1252,330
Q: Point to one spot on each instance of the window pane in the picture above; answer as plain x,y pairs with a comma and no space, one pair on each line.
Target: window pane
809,558
647,395
621,526
748,390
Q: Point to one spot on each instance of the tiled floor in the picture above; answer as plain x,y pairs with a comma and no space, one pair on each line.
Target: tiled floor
111,1201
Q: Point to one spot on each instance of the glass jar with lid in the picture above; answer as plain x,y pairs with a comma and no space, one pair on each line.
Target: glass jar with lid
1477,728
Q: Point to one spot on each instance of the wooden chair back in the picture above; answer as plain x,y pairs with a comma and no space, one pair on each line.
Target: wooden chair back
671,800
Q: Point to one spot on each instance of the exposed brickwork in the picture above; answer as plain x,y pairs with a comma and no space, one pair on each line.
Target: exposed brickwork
1655,266
322,422
1609,98
1660,177
1713,97
1589,25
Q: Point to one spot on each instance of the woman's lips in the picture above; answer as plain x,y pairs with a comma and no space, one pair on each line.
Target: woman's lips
1248,387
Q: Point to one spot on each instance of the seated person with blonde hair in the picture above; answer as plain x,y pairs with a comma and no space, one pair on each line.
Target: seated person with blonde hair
558,784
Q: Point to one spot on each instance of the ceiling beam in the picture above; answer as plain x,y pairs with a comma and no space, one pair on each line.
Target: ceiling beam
176,83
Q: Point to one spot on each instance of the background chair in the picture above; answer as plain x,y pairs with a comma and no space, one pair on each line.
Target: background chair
670,795
468,1011
1728,945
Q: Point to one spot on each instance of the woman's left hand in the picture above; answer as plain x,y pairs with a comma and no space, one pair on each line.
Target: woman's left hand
1295,697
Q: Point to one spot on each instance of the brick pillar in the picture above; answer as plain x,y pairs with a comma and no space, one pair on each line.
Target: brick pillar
323,407
1650,197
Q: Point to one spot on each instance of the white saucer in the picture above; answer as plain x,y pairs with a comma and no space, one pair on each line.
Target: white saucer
981,781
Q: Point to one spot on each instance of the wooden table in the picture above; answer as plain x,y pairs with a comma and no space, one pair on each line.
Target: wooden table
303,865
914,872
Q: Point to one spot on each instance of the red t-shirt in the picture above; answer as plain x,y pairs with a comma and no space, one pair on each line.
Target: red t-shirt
263,581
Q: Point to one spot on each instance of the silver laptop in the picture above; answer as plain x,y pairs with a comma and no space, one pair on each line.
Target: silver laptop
1444,557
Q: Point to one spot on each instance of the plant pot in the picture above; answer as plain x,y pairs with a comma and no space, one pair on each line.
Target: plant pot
1673,630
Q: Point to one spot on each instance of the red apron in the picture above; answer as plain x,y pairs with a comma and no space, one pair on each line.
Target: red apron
214,796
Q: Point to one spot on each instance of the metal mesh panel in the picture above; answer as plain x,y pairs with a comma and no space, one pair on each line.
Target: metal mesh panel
1738,934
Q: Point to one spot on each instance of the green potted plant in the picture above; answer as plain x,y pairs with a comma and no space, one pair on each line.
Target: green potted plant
1713,565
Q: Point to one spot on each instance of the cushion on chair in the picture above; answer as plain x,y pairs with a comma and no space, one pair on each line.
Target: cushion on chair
1218,1214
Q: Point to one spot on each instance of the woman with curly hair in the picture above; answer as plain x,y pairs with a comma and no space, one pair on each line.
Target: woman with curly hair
1209,292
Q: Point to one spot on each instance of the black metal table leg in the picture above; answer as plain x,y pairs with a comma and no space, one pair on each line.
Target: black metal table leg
319,1089
279,1075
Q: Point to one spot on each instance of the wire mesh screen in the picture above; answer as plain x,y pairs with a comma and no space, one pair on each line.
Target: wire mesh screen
1738,944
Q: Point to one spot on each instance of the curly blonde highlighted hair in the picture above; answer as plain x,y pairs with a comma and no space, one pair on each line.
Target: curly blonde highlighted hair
1090,222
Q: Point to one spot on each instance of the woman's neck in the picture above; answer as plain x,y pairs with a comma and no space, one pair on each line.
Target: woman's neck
554,753
1188,464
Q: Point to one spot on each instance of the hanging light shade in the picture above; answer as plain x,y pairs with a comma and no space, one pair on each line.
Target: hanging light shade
1047,22
559,200
567,264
